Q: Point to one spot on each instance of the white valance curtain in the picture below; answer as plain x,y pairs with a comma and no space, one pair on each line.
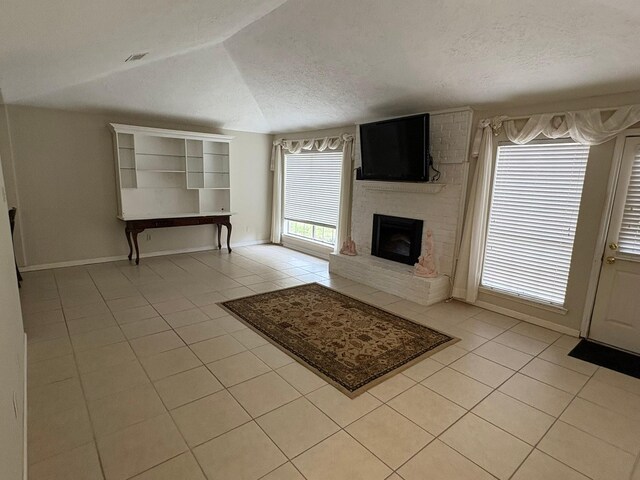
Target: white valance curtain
315,144
586,127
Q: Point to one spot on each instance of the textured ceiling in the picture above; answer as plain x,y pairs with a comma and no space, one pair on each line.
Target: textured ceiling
261,65
202,86
46,45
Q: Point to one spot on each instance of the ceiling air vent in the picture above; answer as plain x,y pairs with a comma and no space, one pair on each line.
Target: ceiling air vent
135,56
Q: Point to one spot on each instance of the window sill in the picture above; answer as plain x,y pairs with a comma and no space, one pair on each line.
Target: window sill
307,246
525,301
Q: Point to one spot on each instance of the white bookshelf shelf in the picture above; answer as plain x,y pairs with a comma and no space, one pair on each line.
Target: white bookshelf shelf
162,173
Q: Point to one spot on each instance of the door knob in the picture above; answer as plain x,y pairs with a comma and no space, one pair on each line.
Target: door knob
611,260
613,246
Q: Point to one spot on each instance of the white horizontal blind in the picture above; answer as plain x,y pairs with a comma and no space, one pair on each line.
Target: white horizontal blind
312,187
629,236
532,222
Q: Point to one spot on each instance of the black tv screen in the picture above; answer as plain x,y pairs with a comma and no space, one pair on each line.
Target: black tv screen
396,150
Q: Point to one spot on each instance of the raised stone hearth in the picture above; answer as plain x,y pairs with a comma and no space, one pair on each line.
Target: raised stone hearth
391,277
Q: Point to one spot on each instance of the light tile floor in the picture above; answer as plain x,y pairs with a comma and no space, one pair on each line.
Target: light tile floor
134,372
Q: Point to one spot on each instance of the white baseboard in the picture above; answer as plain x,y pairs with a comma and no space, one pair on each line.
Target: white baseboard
529,318
89,261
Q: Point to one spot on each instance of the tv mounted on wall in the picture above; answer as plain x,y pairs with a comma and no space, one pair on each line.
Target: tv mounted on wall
396,150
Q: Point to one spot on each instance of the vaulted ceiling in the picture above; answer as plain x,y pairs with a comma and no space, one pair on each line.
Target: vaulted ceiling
276,65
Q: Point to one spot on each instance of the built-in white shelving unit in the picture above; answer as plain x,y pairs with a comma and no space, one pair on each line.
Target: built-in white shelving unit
170,172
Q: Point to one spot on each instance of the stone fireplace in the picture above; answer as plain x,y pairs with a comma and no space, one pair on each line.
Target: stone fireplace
438,206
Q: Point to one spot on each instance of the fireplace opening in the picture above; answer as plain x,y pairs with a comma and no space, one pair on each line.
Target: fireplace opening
396,238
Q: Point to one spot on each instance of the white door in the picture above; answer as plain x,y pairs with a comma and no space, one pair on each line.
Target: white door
616,314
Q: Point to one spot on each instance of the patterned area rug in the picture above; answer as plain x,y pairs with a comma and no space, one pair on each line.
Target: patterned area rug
351,344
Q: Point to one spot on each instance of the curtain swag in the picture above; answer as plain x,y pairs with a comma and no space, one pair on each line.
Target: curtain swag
344,141
585,127
319,144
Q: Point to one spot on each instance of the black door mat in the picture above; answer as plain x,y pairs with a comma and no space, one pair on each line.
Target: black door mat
621,362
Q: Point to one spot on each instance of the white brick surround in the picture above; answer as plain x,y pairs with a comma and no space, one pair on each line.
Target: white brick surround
441,212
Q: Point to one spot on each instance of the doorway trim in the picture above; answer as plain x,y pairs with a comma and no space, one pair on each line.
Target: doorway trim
596,264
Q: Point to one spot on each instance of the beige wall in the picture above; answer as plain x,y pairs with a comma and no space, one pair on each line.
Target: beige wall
6,156
65,183
11,357
591,213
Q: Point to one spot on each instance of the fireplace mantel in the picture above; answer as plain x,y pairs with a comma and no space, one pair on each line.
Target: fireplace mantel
410,187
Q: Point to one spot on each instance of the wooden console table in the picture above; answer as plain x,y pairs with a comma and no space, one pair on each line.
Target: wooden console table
136,225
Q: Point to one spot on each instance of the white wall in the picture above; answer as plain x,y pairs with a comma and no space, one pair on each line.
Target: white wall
65,186
12,366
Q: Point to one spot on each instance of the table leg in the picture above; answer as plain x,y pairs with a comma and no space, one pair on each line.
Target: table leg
135,242
219,227
127,233
228,225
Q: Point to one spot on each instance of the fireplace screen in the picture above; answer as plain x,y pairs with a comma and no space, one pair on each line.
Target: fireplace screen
396,238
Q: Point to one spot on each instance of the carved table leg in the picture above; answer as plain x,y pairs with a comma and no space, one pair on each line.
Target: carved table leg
135,242
219,227
228,225
127,233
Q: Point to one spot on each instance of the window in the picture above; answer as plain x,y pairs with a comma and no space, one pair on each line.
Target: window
312,195
629,236
311,232
532,220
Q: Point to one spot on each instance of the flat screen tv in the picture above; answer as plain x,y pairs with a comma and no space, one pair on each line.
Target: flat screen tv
396,150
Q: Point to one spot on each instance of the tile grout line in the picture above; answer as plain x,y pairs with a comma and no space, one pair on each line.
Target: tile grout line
125,340
557,419
225,388
152,385
469,411
437,437
167,412
84,395
574,396
251,419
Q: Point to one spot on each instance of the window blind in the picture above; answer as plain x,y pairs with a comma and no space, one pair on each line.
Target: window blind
312,187
629,236
532,221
